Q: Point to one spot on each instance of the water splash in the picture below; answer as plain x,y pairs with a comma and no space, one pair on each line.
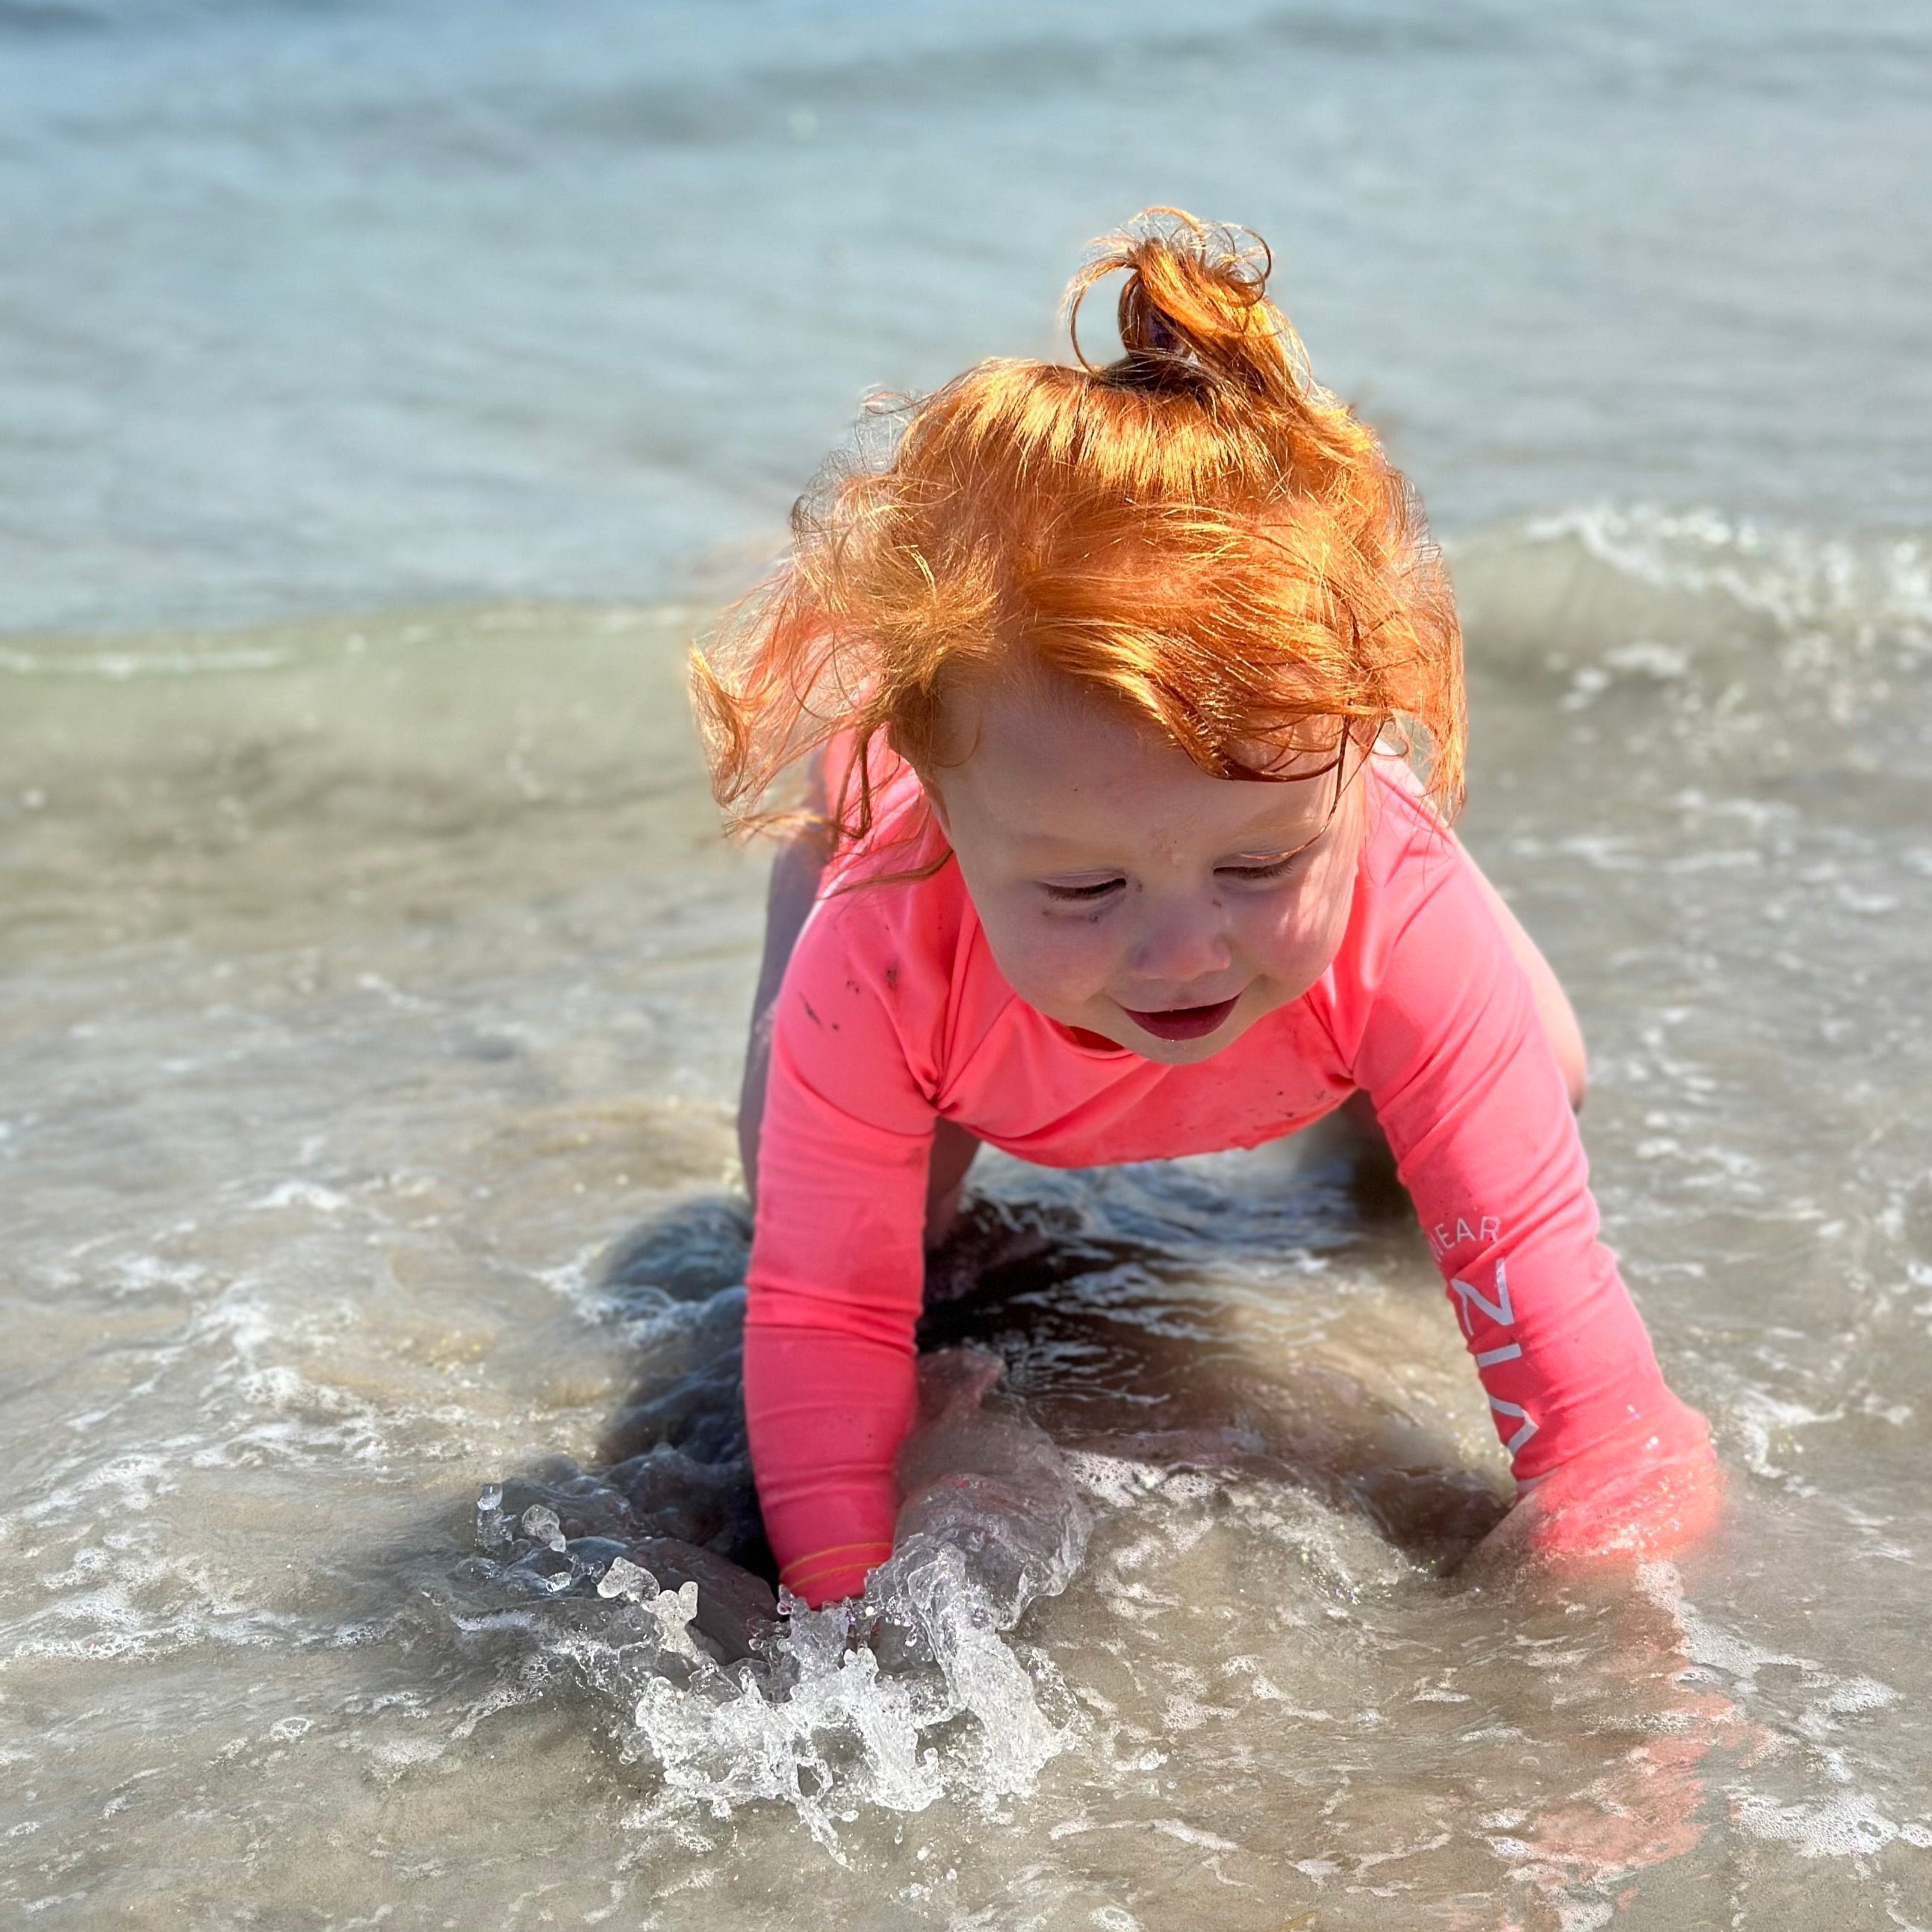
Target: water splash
732,1696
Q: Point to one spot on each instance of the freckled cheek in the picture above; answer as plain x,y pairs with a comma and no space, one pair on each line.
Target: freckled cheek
1294,944
1059,963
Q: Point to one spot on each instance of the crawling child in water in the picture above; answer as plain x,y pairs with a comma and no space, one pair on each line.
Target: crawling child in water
1131,699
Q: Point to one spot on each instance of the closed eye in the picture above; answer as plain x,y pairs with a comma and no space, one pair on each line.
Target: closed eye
1100,890
1275,868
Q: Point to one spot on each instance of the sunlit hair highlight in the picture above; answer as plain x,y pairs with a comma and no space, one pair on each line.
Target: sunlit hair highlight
1197,529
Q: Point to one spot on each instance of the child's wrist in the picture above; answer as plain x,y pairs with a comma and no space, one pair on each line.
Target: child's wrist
1650,1490
822,1576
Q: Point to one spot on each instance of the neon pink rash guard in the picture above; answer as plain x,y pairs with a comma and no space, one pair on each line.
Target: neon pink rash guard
893,1013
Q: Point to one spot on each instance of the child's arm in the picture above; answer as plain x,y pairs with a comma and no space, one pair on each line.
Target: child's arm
1467,1089
837,1266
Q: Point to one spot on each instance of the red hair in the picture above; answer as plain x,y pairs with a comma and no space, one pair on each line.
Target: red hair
1197,529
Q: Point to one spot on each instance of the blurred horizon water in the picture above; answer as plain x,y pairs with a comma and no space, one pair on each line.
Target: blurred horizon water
347,306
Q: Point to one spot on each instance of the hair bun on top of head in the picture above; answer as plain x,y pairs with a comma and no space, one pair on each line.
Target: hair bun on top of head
1199,530
1194,313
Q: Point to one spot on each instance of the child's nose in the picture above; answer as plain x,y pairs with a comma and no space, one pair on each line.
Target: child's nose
1179,946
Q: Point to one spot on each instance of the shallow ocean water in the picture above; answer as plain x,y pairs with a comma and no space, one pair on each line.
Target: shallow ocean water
357,305
368,1058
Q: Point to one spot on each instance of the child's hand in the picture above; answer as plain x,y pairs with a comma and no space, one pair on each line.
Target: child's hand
1651,1491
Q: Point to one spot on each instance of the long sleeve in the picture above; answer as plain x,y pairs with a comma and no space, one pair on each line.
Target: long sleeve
837,1266
1454,1060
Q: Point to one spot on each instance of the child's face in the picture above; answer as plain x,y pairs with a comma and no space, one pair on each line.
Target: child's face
1126,892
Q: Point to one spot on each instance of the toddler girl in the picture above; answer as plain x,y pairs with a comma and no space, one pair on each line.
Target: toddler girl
1132,700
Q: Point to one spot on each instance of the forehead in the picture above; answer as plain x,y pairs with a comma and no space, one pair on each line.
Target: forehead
1048,764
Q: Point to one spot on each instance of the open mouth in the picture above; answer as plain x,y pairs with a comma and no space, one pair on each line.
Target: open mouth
1182,1022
